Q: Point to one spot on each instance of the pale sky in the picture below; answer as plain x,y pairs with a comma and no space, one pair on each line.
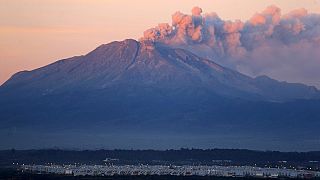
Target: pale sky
34,33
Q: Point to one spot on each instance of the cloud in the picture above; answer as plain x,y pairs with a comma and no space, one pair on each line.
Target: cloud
285,47
196,11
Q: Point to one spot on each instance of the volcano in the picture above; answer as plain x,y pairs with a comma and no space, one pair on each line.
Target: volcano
133,94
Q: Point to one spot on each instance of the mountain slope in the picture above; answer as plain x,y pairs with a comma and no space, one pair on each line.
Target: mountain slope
137,94
131,62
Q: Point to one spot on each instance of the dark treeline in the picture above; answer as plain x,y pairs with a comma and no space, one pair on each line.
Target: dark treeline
182,156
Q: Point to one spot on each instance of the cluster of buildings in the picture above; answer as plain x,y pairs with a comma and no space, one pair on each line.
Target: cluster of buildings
227,171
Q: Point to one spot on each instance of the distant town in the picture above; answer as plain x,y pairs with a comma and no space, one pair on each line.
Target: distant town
201,164
186,170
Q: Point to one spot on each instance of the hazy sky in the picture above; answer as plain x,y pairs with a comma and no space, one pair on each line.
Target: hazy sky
34,33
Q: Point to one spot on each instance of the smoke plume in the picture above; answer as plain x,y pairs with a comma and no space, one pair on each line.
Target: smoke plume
283,46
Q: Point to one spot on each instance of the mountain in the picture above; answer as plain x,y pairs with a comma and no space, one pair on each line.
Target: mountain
144,94
152,65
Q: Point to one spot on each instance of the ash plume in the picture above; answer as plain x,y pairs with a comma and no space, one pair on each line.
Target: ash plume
282,46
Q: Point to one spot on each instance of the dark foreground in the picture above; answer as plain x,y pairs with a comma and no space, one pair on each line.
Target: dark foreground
6,174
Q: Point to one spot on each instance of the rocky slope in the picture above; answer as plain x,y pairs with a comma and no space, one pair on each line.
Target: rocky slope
144,95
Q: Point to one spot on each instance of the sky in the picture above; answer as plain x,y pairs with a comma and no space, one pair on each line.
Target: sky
34,33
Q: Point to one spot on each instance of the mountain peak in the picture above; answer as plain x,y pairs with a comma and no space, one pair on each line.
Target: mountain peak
146,88
145,63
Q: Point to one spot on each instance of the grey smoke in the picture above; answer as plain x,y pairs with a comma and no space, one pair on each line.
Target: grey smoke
283,46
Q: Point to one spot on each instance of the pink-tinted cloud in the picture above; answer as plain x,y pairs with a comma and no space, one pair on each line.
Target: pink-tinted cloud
282,46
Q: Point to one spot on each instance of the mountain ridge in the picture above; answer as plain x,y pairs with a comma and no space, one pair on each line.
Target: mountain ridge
144,62
146,95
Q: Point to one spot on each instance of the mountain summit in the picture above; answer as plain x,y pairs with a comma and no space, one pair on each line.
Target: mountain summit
148,64
139,92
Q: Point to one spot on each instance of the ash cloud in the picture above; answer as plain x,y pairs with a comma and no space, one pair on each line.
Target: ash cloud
282,46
